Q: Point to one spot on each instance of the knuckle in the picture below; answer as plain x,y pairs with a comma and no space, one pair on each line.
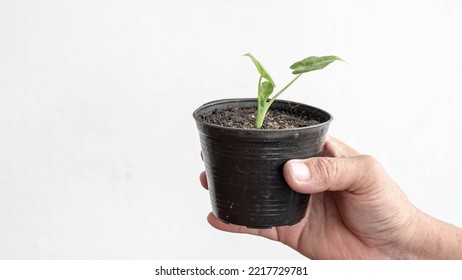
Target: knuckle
370,164
371,170
326,168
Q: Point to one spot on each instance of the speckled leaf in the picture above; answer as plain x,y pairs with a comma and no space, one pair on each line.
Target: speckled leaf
313,63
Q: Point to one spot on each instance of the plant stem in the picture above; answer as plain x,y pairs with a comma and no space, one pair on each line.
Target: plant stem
282,90
259,117
259,85
262,110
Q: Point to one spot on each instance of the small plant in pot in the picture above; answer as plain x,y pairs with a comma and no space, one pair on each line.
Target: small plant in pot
246,142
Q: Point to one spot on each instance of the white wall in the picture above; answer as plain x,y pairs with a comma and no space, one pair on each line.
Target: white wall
99,154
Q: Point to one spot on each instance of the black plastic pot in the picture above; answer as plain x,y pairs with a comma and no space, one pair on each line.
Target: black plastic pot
244,166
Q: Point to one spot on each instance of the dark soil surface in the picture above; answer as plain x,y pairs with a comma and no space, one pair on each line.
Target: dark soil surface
239,117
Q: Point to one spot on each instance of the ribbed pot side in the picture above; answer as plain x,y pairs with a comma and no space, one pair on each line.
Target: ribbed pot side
244,166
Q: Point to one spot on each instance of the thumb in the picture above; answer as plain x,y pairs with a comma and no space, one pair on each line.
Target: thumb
320,174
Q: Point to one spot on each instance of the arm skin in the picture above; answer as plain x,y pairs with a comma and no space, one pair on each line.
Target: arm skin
431,238
356,211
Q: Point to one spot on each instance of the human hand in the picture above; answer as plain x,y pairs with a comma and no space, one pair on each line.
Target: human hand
356,211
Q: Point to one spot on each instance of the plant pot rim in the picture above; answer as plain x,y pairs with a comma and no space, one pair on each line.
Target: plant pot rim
196,115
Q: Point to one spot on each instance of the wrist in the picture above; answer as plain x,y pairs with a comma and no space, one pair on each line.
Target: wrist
430,238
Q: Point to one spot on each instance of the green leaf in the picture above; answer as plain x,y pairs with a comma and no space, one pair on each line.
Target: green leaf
266,88
261,69
313,63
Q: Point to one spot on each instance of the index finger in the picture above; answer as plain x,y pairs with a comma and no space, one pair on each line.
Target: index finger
336,148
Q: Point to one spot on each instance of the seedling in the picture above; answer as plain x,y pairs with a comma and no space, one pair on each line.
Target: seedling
266,84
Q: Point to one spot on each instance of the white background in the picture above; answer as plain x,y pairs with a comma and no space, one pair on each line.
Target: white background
99,154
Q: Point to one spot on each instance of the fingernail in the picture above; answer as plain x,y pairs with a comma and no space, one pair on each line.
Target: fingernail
300,171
